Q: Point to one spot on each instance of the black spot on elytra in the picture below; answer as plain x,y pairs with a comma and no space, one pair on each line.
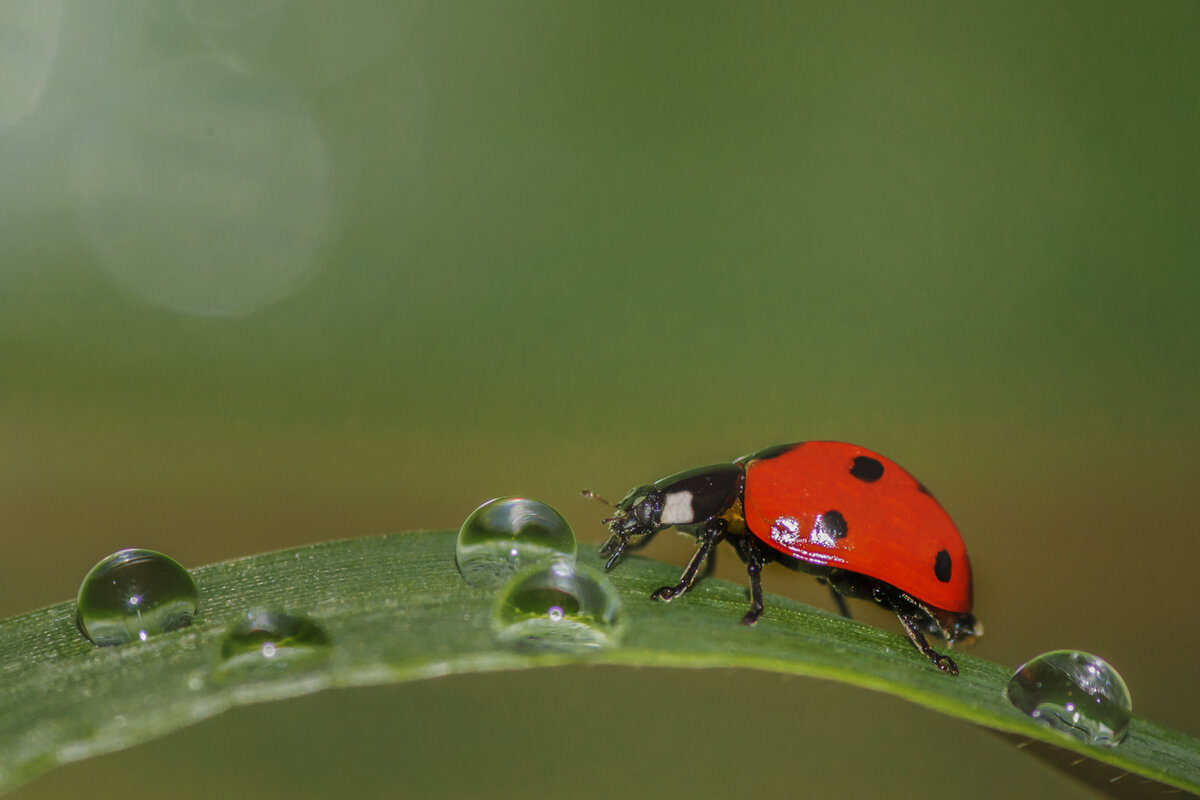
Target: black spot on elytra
832,525
923,489
867,469
941,566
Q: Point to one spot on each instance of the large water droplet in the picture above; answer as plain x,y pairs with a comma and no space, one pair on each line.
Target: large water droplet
133,595
504,535
1075,692
268,640
558,606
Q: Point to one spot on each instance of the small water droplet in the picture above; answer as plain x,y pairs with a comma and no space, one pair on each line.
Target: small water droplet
132,595
558,606
507,534
1075,692
270,640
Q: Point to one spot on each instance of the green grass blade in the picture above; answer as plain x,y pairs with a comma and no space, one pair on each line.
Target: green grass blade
397,610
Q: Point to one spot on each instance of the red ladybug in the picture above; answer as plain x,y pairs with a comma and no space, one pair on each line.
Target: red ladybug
857,520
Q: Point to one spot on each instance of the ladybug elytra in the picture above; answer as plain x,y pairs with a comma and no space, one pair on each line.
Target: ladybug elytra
852,517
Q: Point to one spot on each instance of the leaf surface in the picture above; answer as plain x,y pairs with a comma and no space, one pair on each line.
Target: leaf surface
397,610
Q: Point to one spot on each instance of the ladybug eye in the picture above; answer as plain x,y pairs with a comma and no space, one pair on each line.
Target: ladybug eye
643,505
647,510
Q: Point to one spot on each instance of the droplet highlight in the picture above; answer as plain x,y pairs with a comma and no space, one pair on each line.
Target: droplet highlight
1075,692
132,595
558,606
268,640
507,534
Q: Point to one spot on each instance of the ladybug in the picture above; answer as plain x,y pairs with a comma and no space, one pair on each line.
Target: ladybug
855,519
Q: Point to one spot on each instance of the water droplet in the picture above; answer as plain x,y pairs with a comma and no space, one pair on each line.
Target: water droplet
558,606
1075,692
267,639
133,595
504,535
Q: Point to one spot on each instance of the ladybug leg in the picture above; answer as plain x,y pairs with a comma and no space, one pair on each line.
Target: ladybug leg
614,548
912,626
710,535
838,600
620,543
753,553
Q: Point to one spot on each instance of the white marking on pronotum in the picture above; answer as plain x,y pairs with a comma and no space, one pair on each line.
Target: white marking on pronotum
677,509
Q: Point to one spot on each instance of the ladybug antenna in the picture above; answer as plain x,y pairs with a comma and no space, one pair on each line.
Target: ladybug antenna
618,517
608,520
594,496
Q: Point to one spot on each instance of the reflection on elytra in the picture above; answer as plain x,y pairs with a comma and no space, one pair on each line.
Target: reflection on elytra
202,189
28,46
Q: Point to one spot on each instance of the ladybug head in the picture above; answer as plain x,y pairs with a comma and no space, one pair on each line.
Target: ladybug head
639,514
640,511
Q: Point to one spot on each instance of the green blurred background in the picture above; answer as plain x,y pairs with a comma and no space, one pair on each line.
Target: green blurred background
275,272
